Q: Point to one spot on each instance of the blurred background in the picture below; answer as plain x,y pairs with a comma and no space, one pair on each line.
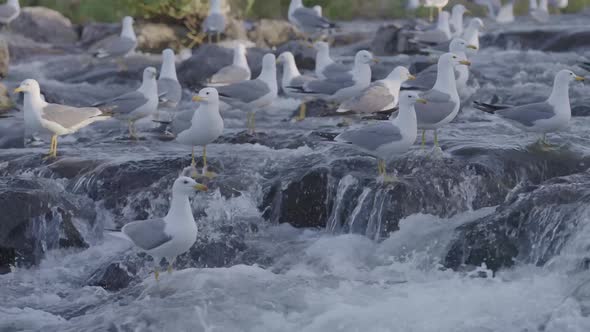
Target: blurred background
80,11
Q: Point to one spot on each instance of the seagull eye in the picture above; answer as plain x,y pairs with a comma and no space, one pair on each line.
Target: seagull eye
185,182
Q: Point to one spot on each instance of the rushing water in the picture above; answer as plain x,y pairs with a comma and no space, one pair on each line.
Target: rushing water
351,276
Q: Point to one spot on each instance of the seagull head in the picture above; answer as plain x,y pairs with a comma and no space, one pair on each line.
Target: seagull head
459,10
269,61
318,9
150,73
28,86
321,46
460,45
127,21
476,23
365,57
285,58
187,186
402,74
207,95
409,98
453,60
168,55
240,48
298,3
566,76
13,3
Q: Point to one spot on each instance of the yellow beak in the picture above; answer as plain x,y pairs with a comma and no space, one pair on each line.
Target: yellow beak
580,78
467,11
308,44
197,98
411,77
375,60
201,187
473,47
421,101
19,89
465,62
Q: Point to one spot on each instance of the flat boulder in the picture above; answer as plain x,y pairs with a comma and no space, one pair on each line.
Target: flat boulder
45,25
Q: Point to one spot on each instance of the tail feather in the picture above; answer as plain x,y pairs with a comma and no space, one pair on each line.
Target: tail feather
488,108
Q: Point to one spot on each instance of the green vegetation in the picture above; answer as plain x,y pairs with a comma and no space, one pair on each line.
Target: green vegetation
113,10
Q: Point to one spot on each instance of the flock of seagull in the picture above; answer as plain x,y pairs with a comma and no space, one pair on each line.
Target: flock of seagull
426,101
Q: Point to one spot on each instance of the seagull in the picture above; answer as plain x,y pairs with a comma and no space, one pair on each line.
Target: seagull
443,98
253,94
119,46
215,21
59,119
539,12
439,4
559,4
544,117
456,21
439,34
238,71
505,13
387,138
471,34
306,19
325,67
9,11
426,78
206,125
168,86
172,235
293,80
135,105
345,87
380,96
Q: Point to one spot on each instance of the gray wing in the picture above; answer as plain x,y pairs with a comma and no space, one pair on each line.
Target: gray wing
171,89
327,87
246,92
147,234
372,99
338,71
67,116
7,11
126,103
527,115
301,80
214,23
438,48
432,36
309,18
439,106
373,136
425,79
116,46
230,74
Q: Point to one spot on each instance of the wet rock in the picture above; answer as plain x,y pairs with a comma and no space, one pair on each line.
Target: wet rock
318,108
116,275
13,131
23,49
208,59
272,33
581,110
45,25
220,249
303,52
37,217
532,226
155,37
4,58
545,40
390,40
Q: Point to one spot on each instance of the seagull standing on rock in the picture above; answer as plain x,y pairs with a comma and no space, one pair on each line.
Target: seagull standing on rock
293,80
325,67
206,126
387,138
118,46
172,235
551,115
237,72
135,105
168,86
58,119
215,22
9,11
308,20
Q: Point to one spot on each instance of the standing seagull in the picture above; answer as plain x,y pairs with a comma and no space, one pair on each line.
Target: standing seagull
306,19
137,104
456,22
380,96
58,119
443,99
293,80
118,46
215,22
325,67
172,235
387,138
169,88
238,71
206,125
347,86
251,95
551,115
471,34
440,34
9,11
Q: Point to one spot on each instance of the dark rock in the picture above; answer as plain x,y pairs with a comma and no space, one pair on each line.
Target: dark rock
45,25
114,276
581,110
532,226
13,131
208,59
37,217
303,52
390,40
94,32
555,40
